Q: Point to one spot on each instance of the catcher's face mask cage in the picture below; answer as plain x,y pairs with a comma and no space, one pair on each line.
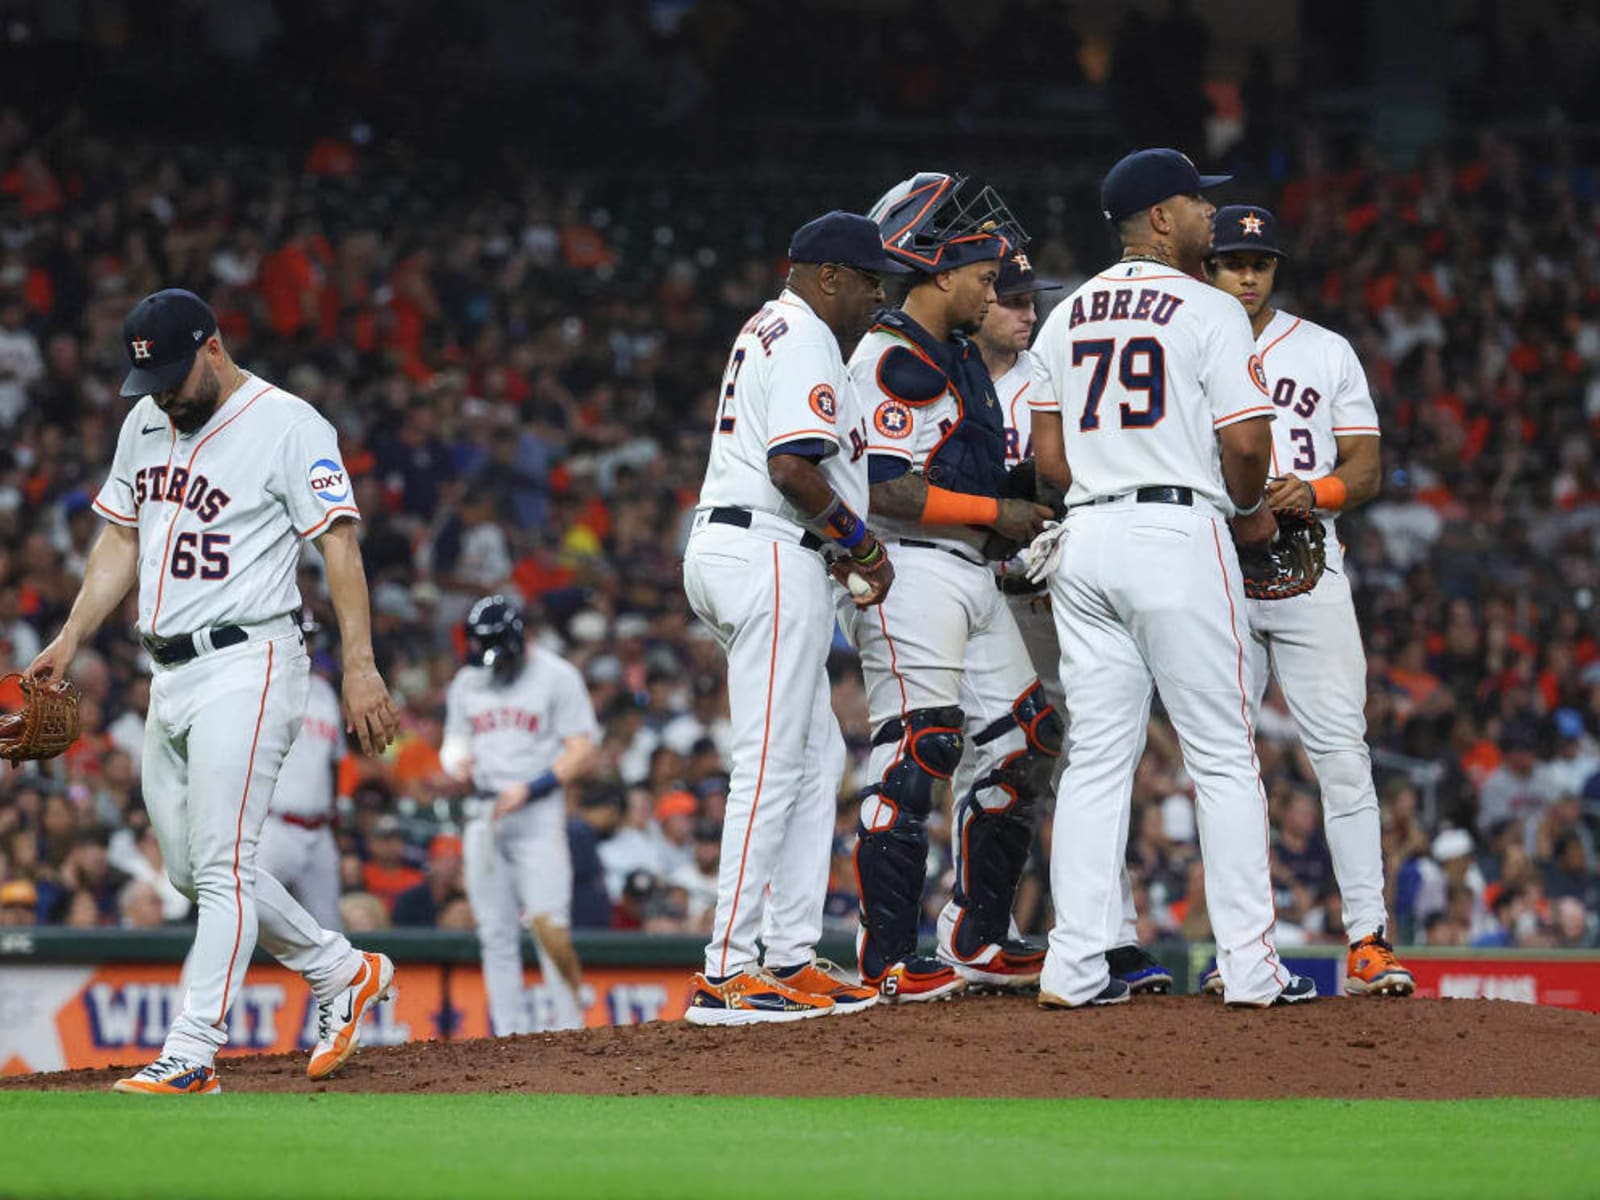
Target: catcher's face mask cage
935,222
496,637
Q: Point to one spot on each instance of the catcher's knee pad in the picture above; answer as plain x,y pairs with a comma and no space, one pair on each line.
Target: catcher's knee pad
992,849
1039,721
929,742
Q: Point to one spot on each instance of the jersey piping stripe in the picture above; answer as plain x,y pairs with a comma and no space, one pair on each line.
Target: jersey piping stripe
878,448
1255,763
166,553
238,837
831,434
114,514
1110,278
761,771
1279,338
329,516
1243,413
1356,429
1012,410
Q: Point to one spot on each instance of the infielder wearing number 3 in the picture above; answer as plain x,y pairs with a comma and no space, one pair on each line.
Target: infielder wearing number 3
218,476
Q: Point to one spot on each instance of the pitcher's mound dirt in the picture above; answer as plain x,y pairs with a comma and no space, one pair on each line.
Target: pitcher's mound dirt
1175,1046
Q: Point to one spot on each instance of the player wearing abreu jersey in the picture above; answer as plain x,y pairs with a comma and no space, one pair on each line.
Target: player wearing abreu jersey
1156,422
217,479
1324,456
519,727
297,846
786,483
943,661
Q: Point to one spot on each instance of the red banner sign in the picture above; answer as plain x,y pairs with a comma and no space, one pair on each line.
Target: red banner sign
1562,983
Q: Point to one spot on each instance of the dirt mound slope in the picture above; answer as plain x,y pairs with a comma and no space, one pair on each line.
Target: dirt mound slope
1176,1046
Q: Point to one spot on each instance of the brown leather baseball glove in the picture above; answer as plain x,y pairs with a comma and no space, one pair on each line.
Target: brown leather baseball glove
1289,565
47,723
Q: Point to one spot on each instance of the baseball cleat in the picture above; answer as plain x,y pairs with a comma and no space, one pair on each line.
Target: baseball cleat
1211,981
339,1019
1373,970
1116,991
170,1075
1136,968
1298,990
820,977
1012,965
918,978
752,997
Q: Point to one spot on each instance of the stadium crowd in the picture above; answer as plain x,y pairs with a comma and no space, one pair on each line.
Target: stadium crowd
523,380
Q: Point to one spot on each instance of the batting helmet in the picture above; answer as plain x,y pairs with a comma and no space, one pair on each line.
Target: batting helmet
932,222
496,637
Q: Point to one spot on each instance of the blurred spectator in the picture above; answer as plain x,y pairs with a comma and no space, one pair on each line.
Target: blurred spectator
600,808
423,903
387,872
362,912
19,903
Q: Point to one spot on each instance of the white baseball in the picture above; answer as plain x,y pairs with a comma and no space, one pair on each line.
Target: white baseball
858,584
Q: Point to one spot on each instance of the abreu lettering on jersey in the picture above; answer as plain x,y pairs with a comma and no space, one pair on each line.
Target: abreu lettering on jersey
1119,304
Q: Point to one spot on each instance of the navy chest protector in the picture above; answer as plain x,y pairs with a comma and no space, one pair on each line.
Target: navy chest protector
971,454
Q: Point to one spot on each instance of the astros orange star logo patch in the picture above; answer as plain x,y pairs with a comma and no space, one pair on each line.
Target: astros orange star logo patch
1251,224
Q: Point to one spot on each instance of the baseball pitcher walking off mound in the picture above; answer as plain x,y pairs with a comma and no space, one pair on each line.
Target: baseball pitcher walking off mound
1157,424
217,478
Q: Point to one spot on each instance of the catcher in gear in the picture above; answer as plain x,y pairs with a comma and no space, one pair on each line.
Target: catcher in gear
46,724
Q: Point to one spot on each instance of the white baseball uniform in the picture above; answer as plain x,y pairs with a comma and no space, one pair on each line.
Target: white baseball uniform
1311,643
762,587
519,866
221,513
1145,364
297,845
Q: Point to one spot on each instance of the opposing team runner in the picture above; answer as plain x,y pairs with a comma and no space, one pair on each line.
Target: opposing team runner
786,482
297,846
519,725
943,660
1003,340
1155,420
217,478
1324,457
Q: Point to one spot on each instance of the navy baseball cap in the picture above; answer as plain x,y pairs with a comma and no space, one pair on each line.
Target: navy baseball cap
1148,177
845,238
1245,227
1017,277
162,335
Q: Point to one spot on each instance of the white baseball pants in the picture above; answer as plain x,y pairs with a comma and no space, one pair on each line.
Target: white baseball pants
306,862
1312,646
218,728
1152,593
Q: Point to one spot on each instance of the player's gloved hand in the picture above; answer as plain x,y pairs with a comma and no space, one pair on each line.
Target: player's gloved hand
1040,556
869,564
1020,520
369,713
1290,491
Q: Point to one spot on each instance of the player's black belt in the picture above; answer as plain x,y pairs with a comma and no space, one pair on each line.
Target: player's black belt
169,652
1147,495
919,544
741,518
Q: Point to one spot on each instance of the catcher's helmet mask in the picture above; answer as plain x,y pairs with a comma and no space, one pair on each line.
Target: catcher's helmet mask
497,637
935,222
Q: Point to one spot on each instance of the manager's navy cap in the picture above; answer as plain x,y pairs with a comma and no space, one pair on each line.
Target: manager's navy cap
1017,277
844,238
1245,227
1148,177
162,335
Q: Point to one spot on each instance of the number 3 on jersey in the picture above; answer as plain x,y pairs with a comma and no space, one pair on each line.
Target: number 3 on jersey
1141,367
729,377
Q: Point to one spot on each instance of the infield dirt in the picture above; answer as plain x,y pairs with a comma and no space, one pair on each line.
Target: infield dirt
1173,1046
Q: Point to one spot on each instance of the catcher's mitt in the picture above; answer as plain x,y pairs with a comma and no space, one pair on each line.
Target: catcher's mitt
871,571
47,723
1289,565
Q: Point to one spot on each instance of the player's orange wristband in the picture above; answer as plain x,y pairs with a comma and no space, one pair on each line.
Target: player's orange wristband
1329,491
958,508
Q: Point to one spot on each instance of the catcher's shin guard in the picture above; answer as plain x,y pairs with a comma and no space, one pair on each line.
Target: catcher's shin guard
892,840
994,822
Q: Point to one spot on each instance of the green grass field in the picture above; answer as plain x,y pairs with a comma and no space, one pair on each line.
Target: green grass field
461,1146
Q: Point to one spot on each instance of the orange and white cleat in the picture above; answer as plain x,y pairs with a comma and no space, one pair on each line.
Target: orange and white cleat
339,1019
820,977
752,997
1373,970
170,1075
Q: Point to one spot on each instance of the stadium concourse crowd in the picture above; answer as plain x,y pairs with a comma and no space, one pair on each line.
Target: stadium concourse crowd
523,381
